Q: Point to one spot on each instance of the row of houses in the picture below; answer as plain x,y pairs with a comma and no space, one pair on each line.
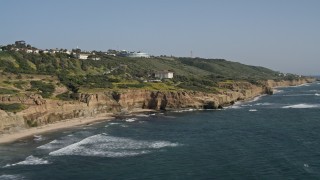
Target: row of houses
86,56
123,53
77,53
133,54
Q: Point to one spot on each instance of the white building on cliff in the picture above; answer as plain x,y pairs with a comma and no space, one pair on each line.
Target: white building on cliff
163,74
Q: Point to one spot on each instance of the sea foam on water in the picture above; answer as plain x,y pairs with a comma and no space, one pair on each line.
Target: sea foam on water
301,106
30,160
103,145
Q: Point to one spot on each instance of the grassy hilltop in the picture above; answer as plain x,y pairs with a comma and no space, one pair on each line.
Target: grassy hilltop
57,75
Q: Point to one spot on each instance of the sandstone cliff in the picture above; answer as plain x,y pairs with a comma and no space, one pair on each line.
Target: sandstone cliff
43,111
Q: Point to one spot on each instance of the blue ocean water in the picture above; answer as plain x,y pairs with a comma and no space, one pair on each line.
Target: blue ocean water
271,137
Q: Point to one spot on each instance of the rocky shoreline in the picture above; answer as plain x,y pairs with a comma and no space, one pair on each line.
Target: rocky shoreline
42,112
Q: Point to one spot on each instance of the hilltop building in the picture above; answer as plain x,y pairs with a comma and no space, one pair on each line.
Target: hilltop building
20,44
82,56
94,58
163,74
125,53
138,54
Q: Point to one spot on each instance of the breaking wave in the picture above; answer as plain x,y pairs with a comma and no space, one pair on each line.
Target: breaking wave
102,145
276,91
131,119
113,123
142,115
30,160
256,98
236,105
11,177
253,110
297,95
301,106
57,144
264,104
38,138
301,85
185,110
246,105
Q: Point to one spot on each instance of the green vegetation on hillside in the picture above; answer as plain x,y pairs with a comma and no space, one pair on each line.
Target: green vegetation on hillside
8,91
15,107
123,72
44,89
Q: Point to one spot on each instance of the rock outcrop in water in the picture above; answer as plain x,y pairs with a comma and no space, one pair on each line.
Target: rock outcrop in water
44,111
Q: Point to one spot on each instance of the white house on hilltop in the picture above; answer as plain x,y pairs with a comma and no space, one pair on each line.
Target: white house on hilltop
138,54
163,74
29,51
82,56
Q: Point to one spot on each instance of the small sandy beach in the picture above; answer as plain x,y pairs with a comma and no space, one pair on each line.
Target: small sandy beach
68,123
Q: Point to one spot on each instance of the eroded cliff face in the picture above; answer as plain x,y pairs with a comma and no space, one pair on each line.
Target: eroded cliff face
166,100
10,122
272,83
43,111
50,111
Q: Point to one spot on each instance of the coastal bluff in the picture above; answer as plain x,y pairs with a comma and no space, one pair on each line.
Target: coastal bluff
42,111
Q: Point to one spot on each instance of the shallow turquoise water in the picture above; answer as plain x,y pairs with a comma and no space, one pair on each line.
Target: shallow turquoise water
271,137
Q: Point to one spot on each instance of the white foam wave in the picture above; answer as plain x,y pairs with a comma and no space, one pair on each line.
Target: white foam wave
253,110
142,115
162,144
102,145
301,106
30,160
112,124
316,94
246,105
38,138
296,95
264,104
131,119
277,91
11,177
301,85
184,110
51,145
57,144
256,98
235,107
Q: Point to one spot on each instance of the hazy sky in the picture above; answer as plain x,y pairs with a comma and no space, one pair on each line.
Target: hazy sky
282,35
